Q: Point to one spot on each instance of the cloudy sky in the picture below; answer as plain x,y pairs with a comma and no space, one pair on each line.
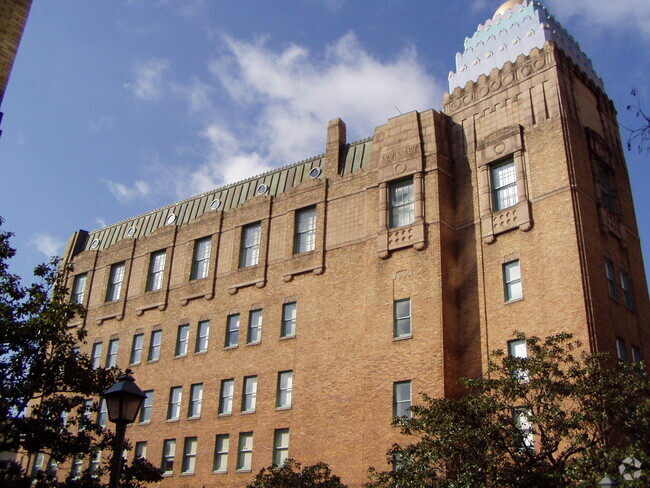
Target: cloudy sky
118,107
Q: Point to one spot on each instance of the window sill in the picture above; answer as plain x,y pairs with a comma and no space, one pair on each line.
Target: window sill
198,353
180,356
224,414
170,421
286,338
280,409
219,472
151,361
167,474
147,422
187,474
514,300
244,471
227,348
257,343
247,412
196,417
403,338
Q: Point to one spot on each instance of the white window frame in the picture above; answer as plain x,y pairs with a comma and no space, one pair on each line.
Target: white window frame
182,340
226,396
155,345
174,405
402,319
289,316
637,357
284,390
232,330
517,348
96,355
249,394
136,349
626,288
503,181
188,463
401,200
168,454
245,451
201,258
115,280
102,413
610,274
79,288
621,350
521,417
196,399
251,239
305,230
202,336
512,287
140,450
95,461
147,406
402,404
281,438
221,448
111,356
156,271
255,318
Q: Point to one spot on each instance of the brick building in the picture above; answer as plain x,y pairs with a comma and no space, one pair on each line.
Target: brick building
296,312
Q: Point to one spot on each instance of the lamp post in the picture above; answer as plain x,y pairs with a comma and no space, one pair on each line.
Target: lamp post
607,481
123,401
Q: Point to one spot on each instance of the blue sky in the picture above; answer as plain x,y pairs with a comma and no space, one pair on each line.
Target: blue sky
118,107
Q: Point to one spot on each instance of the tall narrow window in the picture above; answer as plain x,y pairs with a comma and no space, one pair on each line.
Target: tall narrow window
522,422
140,450
626,288
402,399
169,448
189,455
285,388
201,258
52,466
305,230
504,185
96,355
102,413
77,465
249,397
402,206
39,460
221,447
512,281
85,417
95,460
254,326
202,335
606,189
518,349
232,330
610,273
147,405
402,318
289,319
79,288
115,279
250,245
196,398
111,357
636,354
174,407
136,349
245,451
154,345
156,270
182,338
226,396
280,446
621,350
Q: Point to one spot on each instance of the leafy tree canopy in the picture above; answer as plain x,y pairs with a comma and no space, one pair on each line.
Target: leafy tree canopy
292,475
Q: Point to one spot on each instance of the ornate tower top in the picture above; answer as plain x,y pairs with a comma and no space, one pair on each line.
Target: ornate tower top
517,27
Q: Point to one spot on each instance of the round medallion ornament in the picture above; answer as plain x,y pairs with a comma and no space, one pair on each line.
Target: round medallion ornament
131,231
262,189
399,168
315,173
171,218
94,244
499,148
216,203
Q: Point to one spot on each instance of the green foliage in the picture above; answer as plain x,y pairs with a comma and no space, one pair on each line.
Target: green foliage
291,475
585,417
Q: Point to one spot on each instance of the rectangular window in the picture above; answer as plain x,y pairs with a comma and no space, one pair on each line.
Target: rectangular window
169,448
621,350
245,451
226,396
95,460
156,270
39,460
196,398
174,407
518,349
202,335
85,418
504,185
402,318
249,397
147,405
402,399
52,466
182,338
512,281
221,447
289,319
201,258
606,192
636,354
232,330
280,446
285,387
102,413
141,450
610,273
96,355
305,230
111,357
154,345
75,468
79,288
254,326
522,422
189,455
626,287
250,245
402,204
115,279
136,349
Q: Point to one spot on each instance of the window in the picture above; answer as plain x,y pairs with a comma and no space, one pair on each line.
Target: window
245,451
254,326
39,460
95,460
517,349
221,447
250,245
621,350
141,449
201,258
85,417
401,202
606,188
289,319
189,455
169,448
512,281
280,446
402,399
111,357
249,397
305,230
136,349
52,466
225,396
154,345
147,405
202,335
182,338
174,407
96,355
504,185
611,279
79,288
75,468
627,290
156,270
196,397
115,282
636,354
402,318
232,330
285,387
521,417
102,413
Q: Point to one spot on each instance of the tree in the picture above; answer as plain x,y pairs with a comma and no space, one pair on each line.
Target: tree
291,475
555,418
45,383
639,137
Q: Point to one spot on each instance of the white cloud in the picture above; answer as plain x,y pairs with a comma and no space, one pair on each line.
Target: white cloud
148,83
102,122
125,194
100,222
47,244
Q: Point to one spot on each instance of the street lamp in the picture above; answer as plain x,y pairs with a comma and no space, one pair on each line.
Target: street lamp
607,481
123,401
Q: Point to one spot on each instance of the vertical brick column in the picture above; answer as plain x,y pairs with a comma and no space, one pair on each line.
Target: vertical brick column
336,139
